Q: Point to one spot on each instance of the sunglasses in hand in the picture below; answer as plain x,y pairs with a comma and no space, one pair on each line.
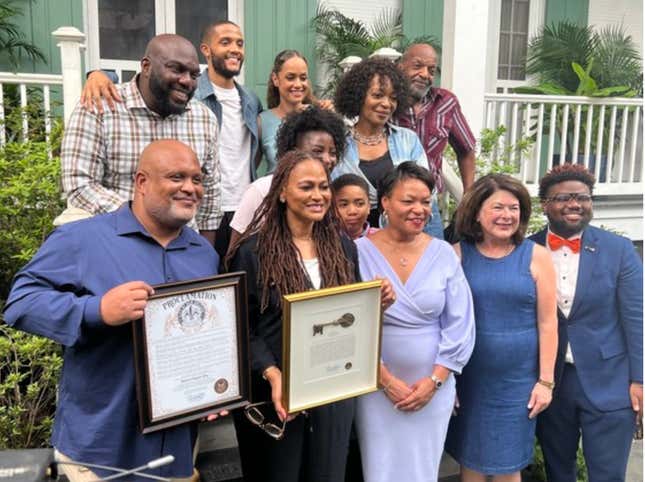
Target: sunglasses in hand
256,417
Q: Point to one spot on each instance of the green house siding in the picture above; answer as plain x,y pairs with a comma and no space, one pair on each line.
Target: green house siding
271,26
40,18
576,11
422,17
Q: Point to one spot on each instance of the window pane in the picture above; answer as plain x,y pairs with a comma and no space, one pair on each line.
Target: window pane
517,73
505,23
504,48
518,52
125,27
192,16
521,16
127,75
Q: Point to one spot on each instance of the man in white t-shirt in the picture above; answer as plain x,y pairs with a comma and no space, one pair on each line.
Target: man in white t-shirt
236,108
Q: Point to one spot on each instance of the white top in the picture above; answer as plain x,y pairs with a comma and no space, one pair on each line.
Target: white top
250,202
566,264
234,148
313,270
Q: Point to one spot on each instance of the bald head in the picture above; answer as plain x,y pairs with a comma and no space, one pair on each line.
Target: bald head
169,72
168,44
419,64
168,186
164,152
419,50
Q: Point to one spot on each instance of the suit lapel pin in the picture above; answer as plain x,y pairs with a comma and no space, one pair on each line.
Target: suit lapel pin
591,249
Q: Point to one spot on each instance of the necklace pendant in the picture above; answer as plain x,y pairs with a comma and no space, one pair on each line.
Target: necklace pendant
403,262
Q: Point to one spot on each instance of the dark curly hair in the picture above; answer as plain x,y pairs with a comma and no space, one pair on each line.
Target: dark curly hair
353,86
466,225
311,119
566,172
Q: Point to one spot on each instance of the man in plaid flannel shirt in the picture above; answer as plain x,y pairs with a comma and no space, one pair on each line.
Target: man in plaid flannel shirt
100,151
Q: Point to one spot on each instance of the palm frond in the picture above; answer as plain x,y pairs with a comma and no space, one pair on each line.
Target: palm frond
552,51
12,40
387,25
617,60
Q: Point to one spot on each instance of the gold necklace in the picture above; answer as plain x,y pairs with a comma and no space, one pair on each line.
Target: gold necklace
368,140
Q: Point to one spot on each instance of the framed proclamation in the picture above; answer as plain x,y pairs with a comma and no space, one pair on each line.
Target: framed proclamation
331,344
191,351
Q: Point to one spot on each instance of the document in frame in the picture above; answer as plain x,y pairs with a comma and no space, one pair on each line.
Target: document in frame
331,345
192,351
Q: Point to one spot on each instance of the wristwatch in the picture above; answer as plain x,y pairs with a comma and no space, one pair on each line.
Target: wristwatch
544,383
438,383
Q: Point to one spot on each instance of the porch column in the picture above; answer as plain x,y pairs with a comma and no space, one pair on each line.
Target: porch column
464,56
70,41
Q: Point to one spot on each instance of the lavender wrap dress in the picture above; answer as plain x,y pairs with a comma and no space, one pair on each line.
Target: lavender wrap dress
430,323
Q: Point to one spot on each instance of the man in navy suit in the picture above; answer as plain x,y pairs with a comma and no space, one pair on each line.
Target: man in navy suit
599,368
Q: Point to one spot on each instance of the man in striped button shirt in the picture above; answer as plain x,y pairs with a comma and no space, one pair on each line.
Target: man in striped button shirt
100,151
437,119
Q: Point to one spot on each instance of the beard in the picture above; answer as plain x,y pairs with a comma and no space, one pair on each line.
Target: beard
219,66
566,229
161,92
418,93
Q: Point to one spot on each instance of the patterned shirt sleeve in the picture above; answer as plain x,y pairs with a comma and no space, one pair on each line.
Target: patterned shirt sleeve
461,137
210,212
83,161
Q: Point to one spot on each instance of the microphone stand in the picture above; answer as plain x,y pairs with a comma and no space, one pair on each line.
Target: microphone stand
153,464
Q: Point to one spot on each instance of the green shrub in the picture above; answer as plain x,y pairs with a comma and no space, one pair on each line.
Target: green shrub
29,369
537,470
496,158
29,365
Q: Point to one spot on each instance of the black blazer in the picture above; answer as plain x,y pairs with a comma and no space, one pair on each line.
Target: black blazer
265,329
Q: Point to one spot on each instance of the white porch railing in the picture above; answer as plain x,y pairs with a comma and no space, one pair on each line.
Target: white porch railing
604,134
43,83
70,43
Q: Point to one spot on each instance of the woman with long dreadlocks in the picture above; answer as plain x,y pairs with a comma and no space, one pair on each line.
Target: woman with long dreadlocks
299,249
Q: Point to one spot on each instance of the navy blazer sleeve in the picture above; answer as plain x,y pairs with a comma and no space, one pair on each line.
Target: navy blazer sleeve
629,291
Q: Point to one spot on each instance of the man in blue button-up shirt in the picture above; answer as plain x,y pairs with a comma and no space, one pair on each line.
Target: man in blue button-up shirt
84,286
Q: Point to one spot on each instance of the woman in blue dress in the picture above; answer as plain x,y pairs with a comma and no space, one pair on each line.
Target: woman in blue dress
509,378
428,334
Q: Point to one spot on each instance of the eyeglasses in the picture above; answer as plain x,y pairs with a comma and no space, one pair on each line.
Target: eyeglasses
256,417
565,197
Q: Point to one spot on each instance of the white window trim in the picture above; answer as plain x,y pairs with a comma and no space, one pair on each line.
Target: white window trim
537,10
164,23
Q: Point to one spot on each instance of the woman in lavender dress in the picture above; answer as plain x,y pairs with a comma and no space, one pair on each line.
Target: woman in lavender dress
428,334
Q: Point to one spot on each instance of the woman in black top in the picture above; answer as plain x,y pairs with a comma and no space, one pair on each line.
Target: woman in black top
298,248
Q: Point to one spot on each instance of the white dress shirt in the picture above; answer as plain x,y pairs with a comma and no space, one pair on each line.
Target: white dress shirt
566,264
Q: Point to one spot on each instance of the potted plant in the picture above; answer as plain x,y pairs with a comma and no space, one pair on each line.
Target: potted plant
566,59
339,36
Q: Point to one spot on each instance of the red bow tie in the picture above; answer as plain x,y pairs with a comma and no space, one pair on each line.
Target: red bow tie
556,242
